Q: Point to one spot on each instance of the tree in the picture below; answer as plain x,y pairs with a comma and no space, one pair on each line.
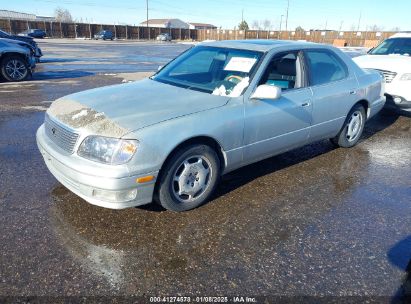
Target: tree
243,26
255,25
299,29
62,15
266,24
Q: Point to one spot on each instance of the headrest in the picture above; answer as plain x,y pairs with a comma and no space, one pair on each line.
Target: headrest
286,67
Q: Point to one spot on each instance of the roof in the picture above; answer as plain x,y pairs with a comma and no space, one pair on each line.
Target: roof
16,15
201,24
402,35
159,21
262,45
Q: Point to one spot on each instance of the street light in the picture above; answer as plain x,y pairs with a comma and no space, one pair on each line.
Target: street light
281,22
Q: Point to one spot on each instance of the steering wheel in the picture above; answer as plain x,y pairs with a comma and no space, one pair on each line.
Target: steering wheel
231,77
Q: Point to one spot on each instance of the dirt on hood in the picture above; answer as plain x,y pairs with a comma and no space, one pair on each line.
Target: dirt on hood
79,116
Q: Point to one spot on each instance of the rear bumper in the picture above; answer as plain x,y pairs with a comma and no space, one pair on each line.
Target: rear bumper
91,187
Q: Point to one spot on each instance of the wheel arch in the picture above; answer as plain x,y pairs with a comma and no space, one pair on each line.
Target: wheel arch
365,104
9,54
200,139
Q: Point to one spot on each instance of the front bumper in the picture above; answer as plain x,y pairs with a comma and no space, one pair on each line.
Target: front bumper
87,185
399,102
399,94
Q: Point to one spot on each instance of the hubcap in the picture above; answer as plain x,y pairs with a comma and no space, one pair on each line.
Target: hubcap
192,178
16,69
354,126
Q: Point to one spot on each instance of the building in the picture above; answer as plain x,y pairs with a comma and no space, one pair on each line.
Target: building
166,23
5,14
201,26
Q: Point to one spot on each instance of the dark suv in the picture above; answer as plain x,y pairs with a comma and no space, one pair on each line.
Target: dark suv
35,33
105,35
37,51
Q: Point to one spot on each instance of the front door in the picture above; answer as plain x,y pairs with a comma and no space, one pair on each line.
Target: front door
274,126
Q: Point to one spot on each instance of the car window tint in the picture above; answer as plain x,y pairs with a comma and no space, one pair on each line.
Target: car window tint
324,67
400,46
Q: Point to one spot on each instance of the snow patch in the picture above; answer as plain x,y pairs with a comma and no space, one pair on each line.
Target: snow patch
80,114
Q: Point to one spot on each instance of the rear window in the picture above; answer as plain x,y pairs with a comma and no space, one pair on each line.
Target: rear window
324,67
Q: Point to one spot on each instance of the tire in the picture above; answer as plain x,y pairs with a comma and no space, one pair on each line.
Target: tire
14,68
188,179
352,129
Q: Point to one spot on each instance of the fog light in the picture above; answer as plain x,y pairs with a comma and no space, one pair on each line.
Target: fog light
397,99
115,196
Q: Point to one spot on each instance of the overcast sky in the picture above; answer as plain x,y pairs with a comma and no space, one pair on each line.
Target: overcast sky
313,14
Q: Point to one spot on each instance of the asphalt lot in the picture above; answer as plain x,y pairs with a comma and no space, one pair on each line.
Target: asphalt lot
313,221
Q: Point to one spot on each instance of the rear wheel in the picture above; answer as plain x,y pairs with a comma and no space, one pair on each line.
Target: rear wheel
189,178
353,127
14,68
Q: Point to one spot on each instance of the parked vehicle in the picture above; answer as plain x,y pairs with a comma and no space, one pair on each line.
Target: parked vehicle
17,60
35,33
27,39
392,58
164,37
105,35
216,108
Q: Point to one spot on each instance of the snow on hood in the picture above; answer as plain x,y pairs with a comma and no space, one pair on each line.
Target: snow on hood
119,109
395,63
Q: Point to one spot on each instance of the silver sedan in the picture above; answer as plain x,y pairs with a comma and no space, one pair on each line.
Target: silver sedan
215,108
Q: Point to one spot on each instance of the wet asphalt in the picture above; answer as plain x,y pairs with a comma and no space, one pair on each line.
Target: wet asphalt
316,221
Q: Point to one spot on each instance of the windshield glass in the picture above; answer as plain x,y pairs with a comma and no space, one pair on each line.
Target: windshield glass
218,71
398,46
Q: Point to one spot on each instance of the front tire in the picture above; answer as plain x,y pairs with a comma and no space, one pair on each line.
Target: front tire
14,68
189,178
353,128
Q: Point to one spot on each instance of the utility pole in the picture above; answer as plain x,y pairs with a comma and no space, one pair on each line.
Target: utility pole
286,18
359,21
148,30
281,23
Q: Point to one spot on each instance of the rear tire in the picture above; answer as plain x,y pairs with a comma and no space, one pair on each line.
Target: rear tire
188,178
14,68
352,129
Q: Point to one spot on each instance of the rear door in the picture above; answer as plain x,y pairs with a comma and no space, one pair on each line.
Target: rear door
334,91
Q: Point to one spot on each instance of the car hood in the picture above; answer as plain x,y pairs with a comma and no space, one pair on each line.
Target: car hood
120,109
395,63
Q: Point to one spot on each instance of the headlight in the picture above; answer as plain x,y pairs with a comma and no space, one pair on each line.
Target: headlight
107,150
406,76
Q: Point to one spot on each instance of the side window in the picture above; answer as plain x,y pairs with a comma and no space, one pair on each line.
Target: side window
283,71
324,67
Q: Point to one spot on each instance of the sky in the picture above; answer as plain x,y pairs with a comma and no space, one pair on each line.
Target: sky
313,14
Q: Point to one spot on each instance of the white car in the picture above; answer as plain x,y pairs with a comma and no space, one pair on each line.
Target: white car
393,58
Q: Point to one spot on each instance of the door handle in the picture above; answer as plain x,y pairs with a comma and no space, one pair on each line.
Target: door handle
353,92
306,104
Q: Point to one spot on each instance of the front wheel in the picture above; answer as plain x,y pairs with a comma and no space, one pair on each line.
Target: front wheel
352,129
14,68
189,178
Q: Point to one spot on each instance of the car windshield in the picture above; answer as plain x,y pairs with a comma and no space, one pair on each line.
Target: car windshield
393,46
218,71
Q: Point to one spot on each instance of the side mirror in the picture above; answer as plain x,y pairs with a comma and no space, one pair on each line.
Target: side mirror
265,91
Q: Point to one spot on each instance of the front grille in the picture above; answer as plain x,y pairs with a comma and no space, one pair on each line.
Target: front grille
388,76
61,136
